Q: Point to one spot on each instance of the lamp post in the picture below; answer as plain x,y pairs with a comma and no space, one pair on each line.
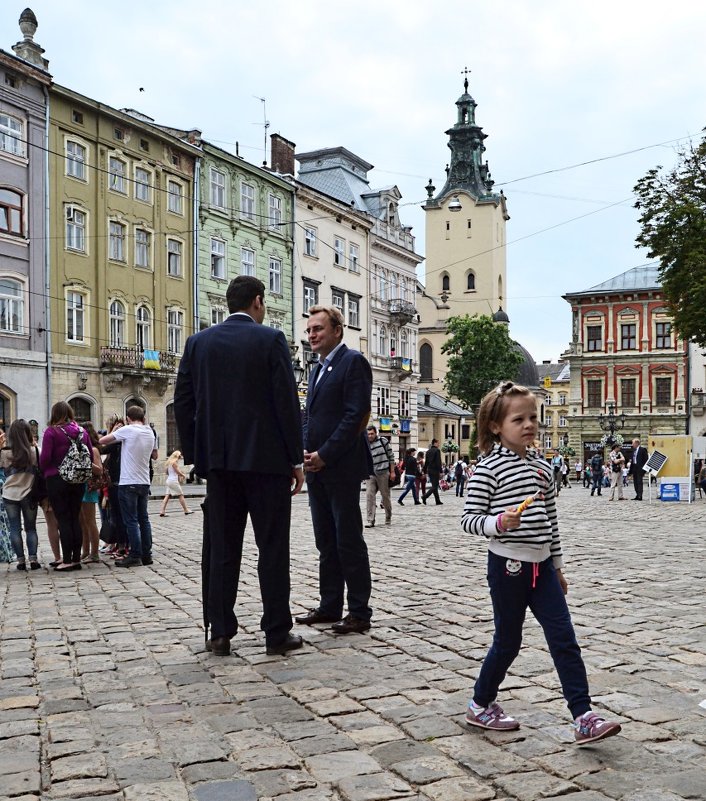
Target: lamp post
610,423
298,371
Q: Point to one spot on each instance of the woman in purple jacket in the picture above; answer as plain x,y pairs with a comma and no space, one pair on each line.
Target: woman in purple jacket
65,498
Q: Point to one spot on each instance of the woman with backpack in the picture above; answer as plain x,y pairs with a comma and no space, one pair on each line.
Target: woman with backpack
65,441
19,462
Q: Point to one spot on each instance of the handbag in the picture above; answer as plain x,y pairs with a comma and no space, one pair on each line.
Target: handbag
100,482
38,492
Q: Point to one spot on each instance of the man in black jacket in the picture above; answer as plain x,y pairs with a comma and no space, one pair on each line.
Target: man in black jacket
239,422
432,467
637,462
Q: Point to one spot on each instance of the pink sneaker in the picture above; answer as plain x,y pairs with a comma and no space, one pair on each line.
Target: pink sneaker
591,727
491,717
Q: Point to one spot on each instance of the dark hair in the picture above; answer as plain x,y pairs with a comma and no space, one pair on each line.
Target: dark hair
20,443
410,451
372,428
493,410
92,435
435,441
61,412
136,413
242,291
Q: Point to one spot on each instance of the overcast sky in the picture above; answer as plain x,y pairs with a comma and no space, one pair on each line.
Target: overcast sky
557,83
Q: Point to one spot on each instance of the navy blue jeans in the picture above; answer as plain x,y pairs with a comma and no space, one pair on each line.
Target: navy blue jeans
512,594
410,484
133,508
17,511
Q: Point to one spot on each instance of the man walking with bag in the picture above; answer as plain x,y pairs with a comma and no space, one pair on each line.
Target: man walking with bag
383,474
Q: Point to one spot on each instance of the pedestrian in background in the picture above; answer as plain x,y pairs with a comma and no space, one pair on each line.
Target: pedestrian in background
90,536
637,461
18,461
175,478
524,561
411,468
421,482
65,498
617,462
379,480
432,464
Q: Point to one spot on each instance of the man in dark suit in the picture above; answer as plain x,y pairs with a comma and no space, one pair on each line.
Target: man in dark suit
336,460
432,467
637,462
239,422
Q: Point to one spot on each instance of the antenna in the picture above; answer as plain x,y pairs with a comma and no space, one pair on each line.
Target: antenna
265,124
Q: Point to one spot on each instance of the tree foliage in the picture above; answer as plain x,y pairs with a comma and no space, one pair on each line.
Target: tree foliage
481,355
672,205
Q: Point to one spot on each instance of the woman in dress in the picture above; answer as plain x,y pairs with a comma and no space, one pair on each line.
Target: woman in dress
90,535
175,478
65,498
18,462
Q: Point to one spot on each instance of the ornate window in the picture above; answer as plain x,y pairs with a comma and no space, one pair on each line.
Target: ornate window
174,258
75,160
11,135
175,197
116,241
218,188
218,258
117,324
117,172
470,282
143,185
445,283
309,241
247,201
275,209
247,261
275,273
75,316
594,337
663,335
594,393
11,307
175,330
143,248
75,229
628,336
143,322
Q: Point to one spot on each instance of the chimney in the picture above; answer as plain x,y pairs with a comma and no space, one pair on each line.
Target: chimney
282,154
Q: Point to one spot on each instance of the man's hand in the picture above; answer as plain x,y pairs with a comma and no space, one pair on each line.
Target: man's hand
297,480
392,475
313,462
2,439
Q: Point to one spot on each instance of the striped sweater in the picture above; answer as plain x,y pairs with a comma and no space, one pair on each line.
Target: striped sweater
503,480
383,458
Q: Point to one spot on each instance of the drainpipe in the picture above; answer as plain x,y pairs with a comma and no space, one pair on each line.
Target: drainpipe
47,259
195,204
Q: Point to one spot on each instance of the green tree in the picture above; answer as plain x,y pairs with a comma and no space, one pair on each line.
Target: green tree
672,205
481,355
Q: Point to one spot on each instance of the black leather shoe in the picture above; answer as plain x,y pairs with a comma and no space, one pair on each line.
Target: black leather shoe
314,616
128,561
219,646
439,503
351,625
290,643
146,560
370,525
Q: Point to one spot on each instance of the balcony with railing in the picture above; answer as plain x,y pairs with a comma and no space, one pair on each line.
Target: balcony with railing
137,359
401,310
402,367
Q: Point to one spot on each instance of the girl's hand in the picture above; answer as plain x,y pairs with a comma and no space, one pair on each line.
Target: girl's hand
511,519
562,581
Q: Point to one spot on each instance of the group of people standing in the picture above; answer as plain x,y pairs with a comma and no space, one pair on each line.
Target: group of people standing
615,471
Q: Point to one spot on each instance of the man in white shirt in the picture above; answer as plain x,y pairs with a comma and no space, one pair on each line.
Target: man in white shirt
138,447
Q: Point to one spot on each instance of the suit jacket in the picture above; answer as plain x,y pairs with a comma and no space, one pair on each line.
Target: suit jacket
337,412
236,403
638,461
432,460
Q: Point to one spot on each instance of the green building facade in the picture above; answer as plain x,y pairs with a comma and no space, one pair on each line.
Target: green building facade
245,227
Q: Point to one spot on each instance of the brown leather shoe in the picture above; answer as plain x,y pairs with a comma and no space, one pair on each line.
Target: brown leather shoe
219,646
351,625
314,616
290,643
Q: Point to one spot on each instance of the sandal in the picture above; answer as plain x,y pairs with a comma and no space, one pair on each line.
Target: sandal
161,514
188,513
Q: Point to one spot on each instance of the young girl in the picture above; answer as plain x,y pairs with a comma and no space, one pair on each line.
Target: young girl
524,560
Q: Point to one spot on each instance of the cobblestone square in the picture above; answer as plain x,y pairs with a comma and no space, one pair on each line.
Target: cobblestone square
107,691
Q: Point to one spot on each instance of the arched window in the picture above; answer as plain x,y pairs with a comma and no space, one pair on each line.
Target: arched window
143,321
83,409
445,283
11,307
117,324
135,401
382,349
470,281
425,362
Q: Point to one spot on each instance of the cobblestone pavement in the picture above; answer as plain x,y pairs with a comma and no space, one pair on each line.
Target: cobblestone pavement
107,690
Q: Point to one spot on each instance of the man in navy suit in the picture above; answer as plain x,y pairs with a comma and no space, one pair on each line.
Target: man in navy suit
336,460
239,422
637,462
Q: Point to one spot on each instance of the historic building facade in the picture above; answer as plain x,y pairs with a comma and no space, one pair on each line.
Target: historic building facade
555,382
465,270
387,285
24,376
246,227
625,357
123,241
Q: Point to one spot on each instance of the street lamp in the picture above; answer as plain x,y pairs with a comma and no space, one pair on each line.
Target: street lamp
298,371
610,423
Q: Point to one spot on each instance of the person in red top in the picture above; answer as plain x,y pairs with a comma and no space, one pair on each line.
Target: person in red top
65,498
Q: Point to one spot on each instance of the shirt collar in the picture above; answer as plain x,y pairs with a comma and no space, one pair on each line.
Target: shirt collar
329,358
242,314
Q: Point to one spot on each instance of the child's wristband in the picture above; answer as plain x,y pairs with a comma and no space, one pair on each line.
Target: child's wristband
499,523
